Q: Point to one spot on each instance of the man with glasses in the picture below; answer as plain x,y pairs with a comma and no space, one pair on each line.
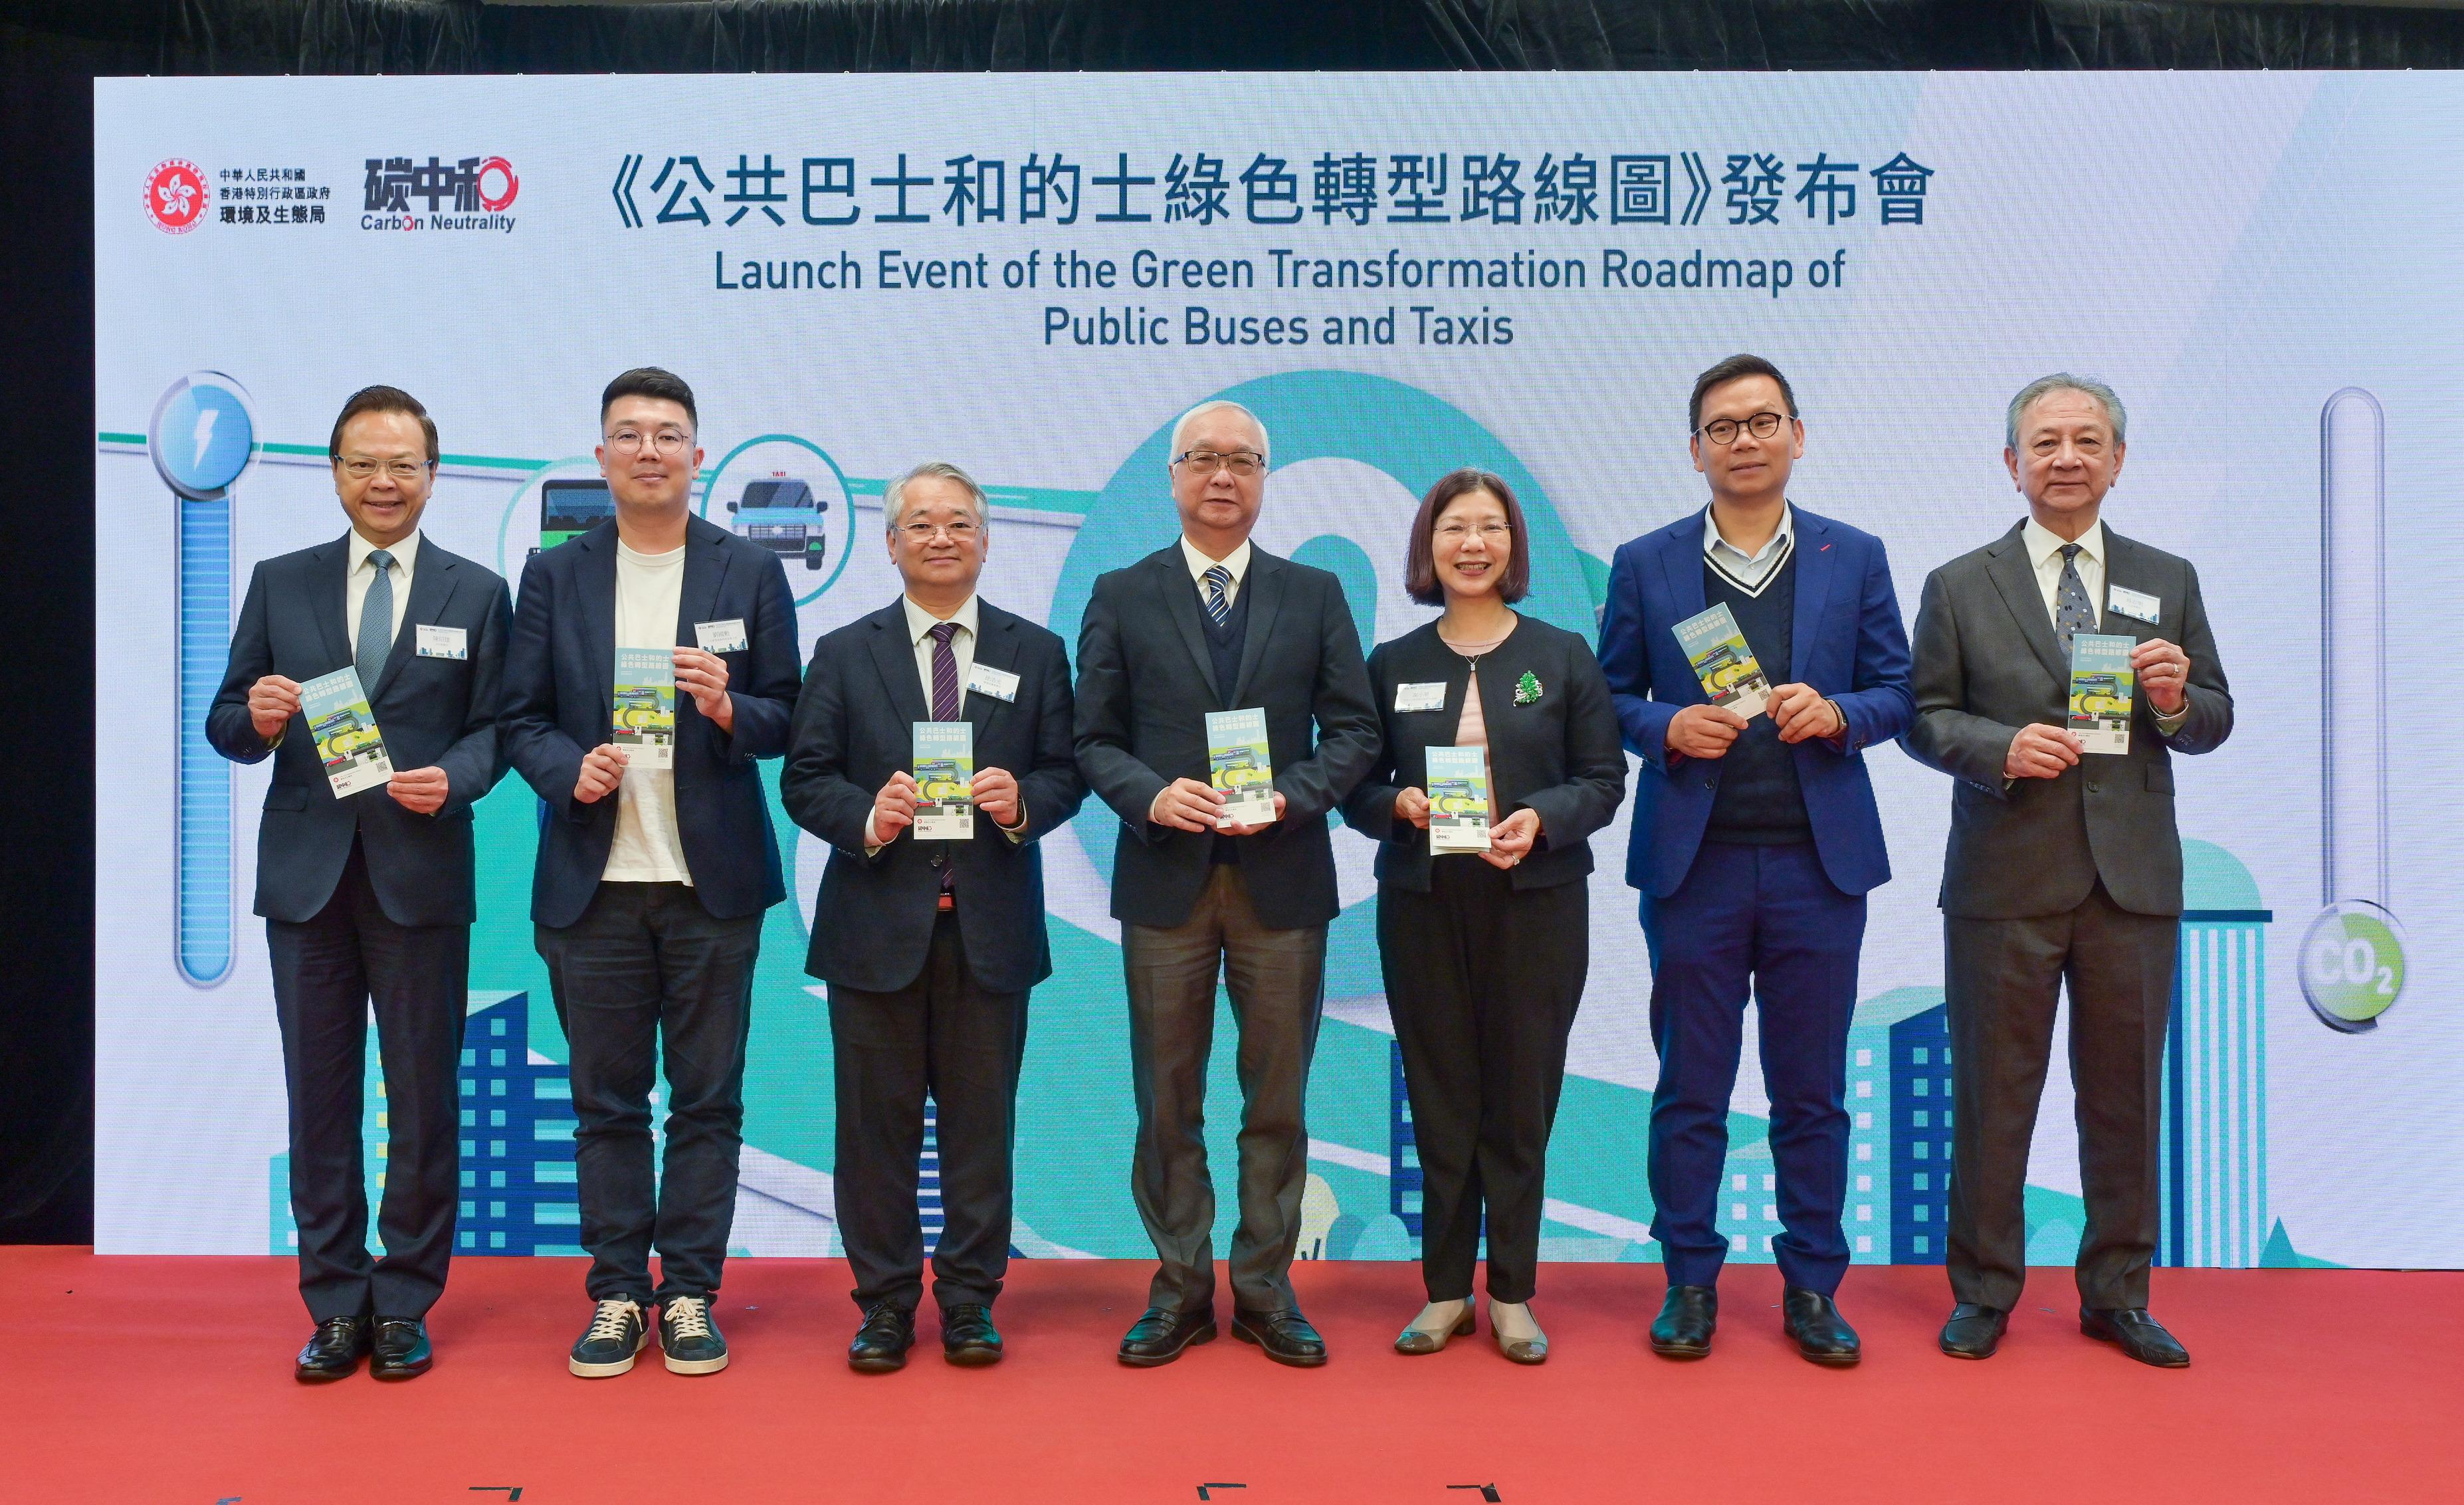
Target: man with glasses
930,946
1211,623
651,880
1755,841
368,899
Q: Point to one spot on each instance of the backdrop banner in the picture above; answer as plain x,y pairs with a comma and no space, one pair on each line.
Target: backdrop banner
1031,276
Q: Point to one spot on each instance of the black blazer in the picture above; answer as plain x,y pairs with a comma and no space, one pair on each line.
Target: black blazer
560,670
1145,684
1560,754
1987,663
854,727
433,713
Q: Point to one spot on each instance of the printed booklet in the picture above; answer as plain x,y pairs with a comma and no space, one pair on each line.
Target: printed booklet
1712,644
347,740
2101,689
1458,799
644,710
1237,763
945,777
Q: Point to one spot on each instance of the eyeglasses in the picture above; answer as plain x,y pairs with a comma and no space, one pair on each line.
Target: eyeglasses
359,468
1489,533
1723,430
1242,463
924,533
670,443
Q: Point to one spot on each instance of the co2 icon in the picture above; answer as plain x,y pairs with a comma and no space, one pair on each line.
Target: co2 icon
2352,965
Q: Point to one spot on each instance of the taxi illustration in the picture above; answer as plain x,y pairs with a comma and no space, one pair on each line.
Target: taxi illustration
781,514
940,780
1457,798
342,736
1235,767
2100,697
638,716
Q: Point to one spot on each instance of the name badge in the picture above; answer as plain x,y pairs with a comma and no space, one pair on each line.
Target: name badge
1420,697
444,643
2137,604
983,679
722,637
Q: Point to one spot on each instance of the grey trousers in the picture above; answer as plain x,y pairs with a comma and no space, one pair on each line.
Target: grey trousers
2002,979
1277,980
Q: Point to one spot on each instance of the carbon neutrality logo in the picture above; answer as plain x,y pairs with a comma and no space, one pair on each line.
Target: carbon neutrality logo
470,193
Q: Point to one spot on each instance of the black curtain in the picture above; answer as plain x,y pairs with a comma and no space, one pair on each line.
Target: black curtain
52,50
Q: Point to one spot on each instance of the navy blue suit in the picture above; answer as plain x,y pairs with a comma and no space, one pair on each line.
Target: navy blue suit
369,905
1784,919
635,964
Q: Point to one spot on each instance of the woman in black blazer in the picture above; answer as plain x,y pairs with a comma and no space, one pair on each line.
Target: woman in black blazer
1485,953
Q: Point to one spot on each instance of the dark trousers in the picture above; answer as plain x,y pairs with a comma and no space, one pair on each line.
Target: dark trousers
946,1035
1482,983
1765,920
1277,980
2002,979
646,966
327,973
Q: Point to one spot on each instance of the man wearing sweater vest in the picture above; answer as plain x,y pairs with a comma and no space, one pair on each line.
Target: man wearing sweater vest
1755,840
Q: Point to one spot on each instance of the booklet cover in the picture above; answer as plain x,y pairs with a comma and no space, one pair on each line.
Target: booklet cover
347,740
644,713
945,777
1237,763
1458,799
2102,687
1712,644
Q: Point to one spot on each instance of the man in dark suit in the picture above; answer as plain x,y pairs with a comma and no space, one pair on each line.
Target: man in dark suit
2064,867
651,882
1210,623
930,947
368,900
1754,842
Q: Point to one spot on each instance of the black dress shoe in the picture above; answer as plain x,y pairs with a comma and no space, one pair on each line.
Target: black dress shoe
968,1336
401,1349
2141,1336
1823,1335
1686,1319
1287,1336
334,1352
882,1343
1973,1331
1159,1335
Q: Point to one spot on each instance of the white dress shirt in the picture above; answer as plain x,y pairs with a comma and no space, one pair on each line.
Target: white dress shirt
1237,561
962,647
650,594
362,575
1750,573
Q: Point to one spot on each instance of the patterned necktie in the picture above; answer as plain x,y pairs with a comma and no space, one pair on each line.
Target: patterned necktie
945,671
1218,582
376,622
2071,611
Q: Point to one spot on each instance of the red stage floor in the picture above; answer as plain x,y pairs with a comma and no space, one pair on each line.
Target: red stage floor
169,1379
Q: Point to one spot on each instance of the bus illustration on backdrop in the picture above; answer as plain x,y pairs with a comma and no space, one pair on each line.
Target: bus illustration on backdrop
571,506
779,513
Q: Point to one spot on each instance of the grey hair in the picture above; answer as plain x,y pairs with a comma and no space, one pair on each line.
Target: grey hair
894,497
1266,446
2064,381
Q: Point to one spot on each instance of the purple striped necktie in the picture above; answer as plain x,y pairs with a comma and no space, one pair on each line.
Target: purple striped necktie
945,707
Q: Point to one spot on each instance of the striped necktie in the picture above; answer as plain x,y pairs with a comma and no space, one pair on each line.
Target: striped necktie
376,622
1218,582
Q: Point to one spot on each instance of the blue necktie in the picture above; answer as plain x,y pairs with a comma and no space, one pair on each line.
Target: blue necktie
2072,612
1219,580
376,622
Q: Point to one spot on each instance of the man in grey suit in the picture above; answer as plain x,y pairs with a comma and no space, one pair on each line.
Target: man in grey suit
1210,623
2064,865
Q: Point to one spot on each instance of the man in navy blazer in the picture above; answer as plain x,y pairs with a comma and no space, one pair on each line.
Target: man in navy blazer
368,900
930,947
651,880
1754,842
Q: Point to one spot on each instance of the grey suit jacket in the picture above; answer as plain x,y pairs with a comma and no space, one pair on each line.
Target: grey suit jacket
1987,664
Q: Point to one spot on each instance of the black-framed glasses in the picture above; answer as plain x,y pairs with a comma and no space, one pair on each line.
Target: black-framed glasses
1723,430
1242,463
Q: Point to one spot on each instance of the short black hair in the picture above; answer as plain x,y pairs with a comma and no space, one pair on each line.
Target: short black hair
382,399
650,382
1732,369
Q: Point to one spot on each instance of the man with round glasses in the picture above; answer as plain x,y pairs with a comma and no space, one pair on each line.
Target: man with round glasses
1755,840
652,875
368,899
